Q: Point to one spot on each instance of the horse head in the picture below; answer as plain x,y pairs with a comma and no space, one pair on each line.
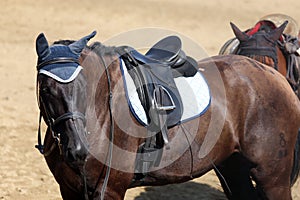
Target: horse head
261,39
62,95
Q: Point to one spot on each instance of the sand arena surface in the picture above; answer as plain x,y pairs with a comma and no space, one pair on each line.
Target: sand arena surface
23,172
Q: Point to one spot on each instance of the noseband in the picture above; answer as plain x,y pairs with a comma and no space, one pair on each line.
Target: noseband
69,115
53,123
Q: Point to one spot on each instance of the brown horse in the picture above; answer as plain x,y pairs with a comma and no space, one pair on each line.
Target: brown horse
267,44
92,138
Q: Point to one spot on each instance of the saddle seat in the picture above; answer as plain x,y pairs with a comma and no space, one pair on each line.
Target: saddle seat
166,51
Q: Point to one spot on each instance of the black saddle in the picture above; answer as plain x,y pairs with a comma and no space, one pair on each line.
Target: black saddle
153,75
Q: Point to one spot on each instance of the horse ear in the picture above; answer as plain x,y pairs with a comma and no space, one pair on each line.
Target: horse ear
78,46
276,33
42,47
240,35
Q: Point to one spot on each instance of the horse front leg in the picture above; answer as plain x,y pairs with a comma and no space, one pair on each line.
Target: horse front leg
274,192
110,193
234,176
117,185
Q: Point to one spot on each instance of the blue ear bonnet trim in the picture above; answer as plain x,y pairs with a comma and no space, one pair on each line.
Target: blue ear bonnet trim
62,72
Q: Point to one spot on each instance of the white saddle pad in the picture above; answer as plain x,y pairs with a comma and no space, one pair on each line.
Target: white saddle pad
194,92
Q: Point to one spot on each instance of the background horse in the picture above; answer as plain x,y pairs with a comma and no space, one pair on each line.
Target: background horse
267,44
92,138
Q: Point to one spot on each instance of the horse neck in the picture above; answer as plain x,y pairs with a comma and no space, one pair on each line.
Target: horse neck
282,66
263,59
109,116
98,100
102,73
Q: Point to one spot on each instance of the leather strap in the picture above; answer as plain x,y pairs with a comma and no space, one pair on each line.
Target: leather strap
57,60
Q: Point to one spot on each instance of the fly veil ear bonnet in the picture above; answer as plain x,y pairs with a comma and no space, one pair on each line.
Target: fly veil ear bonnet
58,61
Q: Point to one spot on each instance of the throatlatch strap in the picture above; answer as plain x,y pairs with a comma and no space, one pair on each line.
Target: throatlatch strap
40,146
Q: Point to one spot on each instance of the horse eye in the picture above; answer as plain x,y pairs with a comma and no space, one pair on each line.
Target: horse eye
45,90
48,91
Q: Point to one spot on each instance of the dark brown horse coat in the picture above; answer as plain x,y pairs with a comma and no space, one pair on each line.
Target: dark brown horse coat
254,113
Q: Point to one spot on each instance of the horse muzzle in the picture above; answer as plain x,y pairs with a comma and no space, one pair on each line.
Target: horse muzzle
73,144
76,154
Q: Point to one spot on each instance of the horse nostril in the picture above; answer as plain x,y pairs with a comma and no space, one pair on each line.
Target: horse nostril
76,154
81,153
70,155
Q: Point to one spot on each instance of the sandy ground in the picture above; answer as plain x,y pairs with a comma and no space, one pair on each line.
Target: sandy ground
23,171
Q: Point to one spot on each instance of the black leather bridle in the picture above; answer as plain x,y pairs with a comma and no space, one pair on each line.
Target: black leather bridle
53,123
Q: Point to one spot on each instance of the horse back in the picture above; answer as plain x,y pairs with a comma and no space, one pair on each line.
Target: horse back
252,87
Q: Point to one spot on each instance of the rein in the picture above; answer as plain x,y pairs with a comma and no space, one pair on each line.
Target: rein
111,133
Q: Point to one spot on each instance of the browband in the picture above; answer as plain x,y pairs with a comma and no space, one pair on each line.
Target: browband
57,60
